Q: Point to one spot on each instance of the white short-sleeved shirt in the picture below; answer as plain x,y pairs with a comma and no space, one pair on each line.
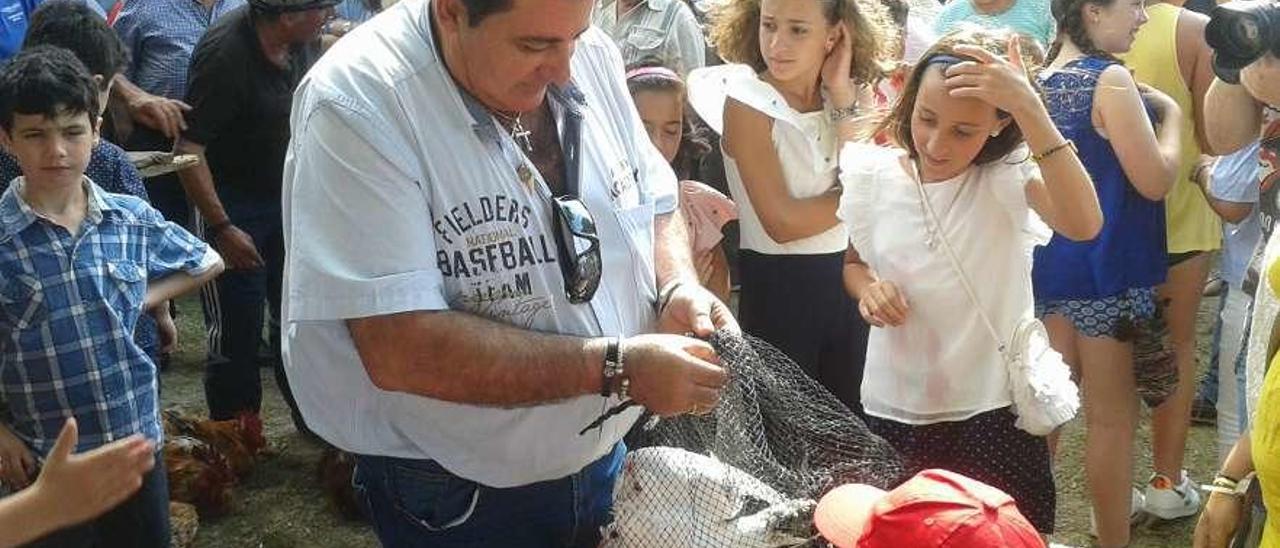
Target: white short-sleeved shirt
399,196
806,145
941,364
665,30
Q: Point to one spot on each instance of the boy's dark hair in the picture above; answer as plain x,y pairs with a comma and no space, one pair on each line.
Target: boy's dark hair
72,25
45,80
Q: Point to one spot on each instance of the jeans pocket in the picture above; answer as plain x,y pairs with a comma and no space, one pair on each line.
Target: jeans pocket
430,496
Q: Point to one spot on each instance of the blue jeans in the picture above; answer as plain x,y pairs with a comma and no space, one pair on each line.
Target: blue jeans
141,521
418,503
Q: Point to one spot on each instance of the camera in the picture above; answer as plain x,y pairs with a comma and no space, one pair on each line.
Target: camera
1240,32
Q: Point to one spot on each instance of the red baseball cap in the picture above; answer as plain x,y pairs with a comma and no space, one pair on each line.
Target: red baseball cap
936,508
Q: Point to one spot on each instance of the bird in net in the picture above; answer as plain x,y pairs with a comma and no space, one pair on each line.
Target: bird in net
748,474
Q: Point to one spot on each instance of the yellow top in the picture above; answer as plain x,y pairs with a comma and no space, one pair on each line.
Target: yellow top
1266,433
1191,224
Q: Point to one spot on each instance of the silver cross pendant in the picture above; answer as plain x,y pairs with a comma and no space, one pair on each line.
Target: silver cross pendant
521,135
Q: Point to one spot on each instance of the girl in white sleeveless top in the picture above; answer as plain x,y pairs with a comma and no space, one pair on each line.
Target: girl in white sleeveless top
782,113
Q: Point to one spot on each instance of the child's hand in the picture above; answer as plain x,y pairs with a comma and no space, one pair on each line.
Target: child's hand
90,483
883,305
1000,82
835,70
1162,103
17,464
165,328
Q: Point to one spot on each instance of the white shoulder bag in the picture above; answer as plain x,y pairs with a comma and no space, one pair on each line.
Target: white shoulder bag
1044,396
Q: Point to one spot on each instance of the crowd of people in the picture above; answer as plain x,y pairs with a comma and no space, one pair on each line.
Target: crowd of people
456,230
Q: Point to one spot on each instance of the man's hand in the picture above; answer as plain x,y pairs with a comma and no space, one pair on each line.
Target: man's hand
237,248
1218,521
84,486
691,308
671,375
160,113
17,465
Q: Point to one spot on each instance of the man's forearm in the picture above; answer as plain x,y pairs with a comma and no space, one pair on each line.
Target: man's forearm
125,90
463,358
197,181
673,258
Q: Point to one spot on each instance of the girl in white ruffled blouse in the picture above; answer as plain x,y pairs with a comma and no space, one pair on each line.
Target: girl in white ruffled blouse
936,386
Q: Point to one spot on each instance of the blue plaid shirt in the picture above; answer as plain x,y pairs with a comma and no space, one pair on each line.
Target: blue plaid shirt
68,305
160,35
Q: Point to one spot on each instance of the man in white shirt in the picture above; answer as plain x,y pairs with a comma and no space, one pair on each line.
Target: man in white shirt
476,228
665,30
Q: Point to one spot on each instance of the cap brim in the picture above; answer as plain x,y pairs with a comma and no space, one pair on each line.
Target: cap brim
844,513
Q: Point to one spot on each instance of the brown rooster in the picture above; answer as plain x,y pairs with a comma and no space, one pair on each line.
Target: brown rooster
240,440
334,473
198,475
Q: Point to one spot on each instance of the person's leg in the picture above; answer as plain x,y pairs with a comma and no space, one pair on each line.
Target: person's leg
1011,460
594,485
778,306
1111,414
1062,338
1207,390
1171,420
234,384
1233,324
142,521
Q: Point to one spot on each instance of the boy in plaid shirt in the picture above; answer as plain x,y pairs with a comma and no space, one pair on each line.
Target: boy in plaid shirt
77,267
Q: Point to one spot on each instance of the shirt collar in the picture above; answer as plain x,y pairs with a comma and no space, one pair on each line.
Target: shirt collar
568,97
16,214
657,5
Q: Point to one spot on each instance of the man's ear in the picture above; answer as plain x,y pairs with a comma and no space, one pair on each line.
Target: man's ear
97,129
451,15
6,141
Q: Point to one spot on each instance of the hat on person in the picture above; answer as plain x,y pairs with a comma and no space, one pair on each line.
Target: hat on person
281,6
935,508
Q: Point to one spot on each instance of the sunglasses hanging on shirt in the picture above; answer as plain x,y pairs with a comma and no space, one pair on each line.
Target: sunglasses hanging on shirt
577,241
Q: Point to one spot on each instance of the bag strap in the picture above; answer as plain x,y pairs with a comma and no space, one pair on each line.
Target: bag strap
932,218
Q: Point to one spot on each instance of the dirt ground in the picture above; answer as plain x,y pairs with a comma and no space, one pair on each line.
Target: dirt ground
281,505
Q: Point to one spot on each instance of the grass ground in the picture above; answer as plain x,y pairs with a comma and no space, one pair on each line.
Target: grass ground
281,505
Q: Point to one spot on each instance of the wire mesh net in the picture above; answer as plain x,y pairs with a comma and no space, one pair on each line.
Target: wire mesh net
749,473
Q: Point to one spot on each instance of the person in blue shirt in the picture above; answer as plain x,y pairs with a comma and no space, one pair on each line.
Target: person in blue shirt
15,17
78,266
74,25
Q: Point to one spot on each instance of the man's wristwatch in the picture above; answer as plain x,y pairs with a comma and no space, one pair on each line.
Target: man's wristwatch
614,367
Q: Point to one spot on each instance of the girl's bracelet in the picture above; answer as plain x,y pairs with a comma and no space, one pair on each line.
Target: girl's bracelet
1037,158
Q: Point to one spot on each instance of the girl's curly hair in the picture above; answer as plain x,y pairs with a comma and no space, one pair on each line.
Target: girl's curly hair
735,33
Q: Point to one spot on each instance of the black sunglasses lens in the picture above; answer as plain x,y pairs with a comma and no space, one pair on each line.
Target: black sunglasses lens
579,249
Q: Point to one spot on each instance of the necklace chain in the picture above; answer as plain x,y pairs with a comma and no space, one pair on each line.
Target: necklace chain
517,130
